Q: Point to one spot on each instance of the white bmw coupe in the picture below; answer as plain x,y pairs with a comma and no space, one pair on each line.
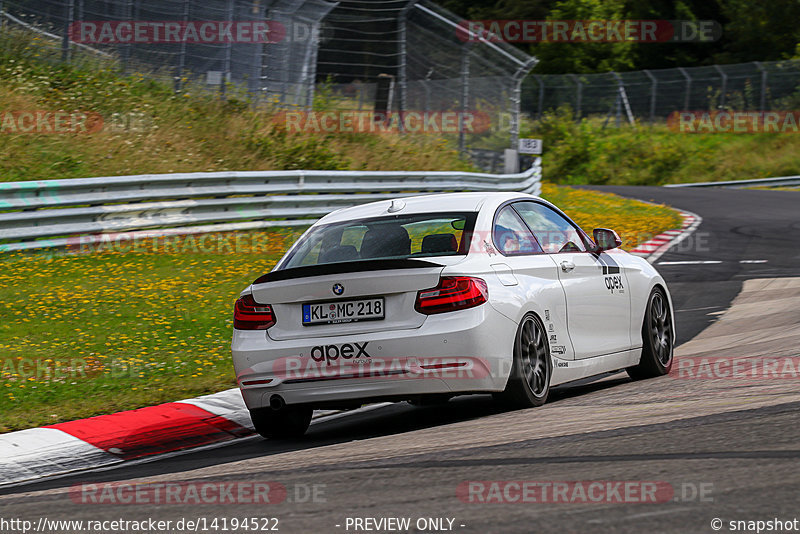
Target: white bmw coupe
423,298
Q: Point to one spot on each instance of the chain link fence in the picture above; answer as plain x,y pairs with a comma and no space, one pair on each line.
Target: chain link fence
418,59
396,60
652,95
278,66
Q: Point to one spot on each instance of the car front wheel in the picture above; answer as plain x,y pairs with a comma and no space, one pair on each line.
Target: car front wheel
657,336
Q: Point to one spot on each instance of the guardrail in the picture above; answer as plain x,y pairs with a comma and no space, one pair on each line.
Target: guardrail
782,181
52,213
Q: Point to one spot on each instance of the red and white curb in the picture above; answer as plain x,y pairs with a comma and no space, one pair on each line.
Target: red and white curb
108,440
653,249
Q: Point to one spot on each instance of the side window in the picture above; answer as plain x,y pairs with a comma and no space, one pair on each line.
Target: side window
554,232
511,236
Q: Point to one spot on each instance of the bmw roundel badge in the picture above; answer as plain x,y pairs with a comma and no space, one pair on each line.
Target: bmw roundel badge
338,289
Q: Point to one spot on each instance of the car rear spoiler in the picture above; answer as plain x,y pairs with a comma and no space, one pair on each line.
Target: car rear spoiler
344,267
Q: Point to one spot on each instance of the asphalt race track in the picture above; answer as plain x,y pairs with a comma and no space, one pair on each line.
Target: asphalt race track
738,225
729,449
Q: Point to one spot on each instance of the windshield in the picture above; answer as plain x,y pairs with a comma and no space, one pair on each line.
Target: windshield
419,235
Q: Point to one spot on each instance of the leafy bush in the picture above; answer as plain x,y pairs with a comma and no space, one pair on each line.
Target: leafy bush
586,152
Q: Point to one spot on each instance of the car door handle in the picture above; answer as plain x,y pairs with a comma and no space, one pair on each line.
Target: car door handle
567,266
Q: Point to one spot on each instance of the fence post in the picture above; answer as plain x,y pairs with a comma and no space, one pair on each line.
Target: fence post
426,87
763,100
578,96
516,100
688,88
540,104
724,85
68,20
653,92
312,68
261,77
462,140
618,101
126,50
401,67
182,57
226,62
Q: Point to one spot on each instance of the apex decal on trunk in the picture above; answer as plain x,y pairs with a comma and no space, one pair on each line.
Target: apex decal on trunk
347,351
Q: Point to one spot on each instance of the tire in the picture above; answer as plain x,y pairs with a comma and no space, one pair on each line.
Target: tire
529,381
288,422
657,338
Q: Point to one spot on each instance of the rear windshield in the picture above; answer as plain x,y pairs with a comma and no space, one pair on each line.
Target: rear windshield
419,235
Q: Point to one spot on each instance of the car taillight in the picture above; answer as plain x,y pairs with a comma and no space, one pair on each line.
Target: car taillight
452,293
250,315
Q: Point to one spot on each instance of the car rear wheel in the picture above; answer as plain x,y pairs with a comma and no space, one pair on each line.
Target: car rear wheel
287,422
529,382
657,336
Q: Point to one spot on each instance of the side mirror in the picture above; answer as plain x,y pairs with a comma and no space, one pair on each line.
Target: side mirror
606,239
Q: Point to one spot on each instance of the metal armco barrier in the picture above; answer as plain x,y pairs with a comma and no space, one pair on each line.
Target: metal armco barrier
53,213
781,181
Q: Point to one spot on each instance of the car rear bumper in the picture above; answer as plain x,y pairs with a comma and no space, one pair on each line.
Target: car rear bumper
463,351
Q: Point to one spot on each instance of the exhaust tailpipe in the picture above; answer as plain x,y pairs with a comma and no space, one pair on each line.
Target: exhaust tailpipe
276,402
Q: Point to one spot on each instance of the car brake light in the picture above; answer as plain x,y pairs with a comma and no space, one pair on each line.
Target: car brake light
452,293
250,315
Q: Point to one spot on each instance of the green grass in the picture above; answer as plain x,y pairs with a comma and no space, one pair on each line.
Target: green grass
150,129
92,333
585,153
147,128
635,222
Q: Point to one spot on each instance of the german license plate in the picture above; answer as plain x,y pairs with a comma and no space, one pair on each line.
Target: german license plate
343,311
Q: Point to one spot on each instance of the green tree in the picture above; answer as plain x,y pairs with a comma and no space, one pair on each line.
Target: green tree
759,31
751,31
666,55
585,57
